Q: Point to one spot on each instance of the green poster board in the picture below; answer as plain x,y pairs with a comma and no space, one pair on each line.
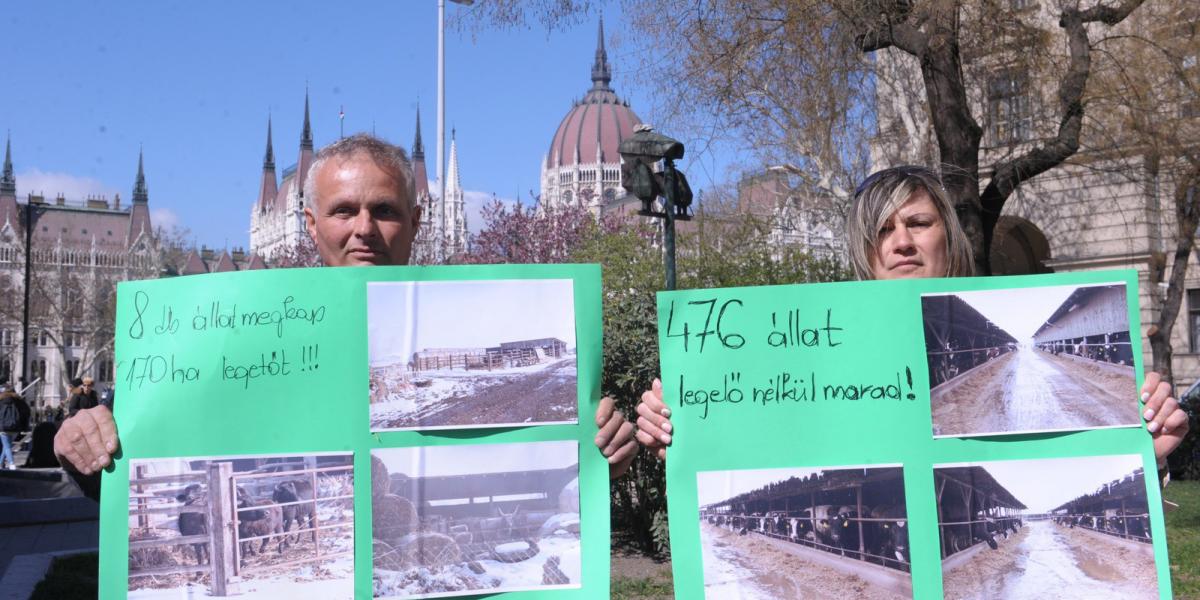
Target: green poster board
411,399
877,439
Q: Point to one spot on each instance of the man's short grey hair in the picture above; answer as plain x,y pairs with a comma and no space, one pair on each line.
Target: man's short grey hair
881,195
386,155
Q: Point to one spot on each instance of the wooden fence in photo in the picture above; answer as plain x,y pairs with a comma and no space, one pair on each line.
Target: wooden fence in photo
223,541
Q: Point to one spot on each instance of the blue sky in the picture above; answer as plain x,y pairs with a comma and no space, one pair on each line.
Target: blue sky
86,83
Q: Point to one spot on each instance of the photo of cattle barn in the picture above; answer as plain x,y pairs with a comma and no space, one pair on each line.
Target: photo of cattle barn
469,354
1029,359
1117,509
1006,531
253,527
460,520
805,533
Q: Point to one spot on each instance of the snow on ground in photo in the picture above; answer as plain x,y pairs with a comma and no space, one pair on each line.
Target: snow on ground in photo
723,578
300,584
1046,562
458,579
459,383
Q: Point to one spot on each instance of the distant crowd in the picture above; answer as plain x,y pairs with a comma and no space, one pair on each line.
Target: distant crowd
33,430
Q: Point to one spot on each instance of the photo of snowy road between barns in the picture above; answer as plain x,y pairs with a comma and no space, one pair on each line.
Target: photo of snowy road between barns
1066,528
466,354
779,534
1027,360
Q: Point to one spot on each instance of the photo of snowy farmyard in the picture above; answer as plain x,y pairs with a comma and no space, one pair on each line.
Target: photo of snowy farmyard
1025,360
471,519
267,526
1066,528
462,354
777,534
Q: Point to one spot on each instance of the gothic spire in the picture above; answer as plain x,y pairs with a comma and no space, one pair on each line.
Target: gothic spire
269,158
601,73
140,193
306,135
418,150
452,181
8,183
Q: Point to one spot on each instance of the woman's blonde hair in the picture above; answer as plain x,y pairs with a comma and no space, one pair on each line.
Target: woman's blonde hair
881,195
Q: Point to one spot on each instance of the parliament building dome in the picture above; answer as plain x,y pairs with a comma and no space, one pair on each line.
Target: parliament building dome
583,164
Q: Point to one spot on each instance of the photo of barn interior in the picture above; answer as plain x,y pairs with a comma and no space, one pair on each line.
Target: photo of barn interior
1006,533
805,533
1031,359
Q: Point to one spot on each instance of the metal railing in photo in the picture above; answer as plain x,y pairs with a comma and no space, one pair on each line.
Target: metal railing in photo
315,528
140,508
222,542
980,509
1140,532
860,554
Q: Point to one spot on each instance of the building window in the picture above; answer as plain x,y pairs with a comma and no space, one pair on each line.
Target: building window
6,337
1010,107
37,369
73,368
105,371
1193,322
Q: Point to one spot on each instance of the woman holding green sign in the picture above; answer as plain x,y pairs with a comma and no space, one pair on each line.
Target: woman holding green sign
902,225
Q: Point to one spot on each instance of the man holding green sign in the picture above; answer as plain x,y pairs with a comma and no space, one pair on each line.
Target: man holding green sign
361,213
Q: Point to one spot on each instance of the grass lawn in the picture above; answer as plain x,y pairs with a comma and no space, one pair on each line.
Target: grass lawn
1183,538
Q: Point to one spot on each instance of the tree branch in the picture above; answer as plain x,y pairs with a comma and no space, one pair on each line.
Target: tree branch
1009,175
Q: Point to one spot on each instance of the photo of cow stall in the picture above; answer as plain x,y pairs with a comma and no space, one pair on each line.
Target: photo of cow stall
805,533
1039,528
467,354
1024,360
252,527
469,519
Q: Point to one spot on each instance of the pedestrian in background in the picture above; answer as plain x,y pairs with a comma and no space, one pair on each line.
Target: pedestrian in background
84,397
14,419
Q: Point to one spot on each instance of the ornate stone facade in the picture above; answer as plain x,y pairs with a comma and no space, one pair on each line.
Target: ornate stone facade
277,217
80,251
443,231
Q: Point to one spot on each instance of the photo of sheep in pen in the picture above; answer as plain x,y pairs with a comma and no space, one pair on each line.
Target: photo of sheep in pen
1069,528
776,534
277,526
471,519
466,354
1029,360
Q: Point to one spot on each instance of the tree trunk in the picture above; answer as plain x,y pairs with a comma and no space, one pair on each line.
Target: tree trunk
1187,218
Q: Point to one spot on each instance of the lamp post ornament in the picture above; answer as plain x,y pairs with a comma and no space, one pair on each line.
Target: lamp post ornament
639,154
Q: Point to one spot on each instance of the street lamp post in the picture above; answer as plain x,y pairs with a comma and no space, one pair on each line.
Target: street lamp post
441,102
639,154
32,210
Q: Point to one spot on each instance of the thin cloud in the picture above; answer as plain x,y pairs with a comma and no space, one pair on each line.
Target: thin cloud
75,188
473,202
165,218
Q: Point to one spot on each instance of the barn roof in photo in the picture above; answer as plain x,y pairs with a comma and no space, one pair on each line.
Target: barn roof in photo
977,478
1132,487
828,483
951,323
